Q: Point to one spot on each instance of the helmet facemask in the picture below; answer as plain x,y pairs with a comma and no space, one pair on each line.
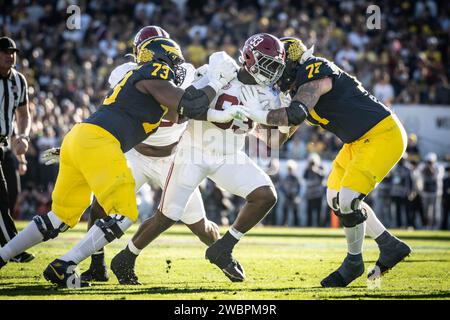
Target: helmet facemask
267,69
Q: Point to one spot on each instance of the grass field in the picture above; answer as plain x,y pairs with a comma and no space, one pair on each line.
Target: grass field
280,263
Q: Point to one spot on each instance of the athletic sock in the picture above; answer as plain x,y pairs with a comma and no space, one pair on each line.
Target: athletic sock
235,233
25,239
374,226
98,258
355,238
93,241
228,241
133,249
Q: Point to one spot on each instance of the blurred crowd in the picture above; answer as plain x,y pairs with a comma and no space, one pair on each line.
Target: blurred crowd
406,61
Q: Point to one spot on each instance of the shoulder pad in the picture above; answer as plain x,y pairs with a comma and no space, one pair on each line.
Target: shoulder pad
315,68
156,70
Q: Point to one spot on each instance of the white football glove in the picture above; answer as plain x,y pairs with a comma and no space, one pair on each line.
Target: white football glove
222,69
254,108
200,72
50,156
227,115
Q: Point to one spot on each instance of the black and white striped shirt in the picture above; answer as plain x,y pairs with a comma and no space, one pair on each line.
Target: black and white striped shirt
13,94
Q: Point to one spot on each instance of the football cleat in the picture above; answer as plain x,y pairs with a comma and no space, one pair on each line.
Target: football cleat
63,274
351,268
391,253
23,257
122,265
98,273
2,263
225,261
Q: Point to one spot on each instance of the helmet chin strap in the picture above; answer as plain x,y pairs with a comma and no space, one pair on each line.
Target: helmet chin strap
307,54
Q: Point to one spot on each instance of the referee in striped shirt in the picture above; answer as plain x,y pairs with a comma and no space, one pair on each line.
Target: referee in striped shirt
14,112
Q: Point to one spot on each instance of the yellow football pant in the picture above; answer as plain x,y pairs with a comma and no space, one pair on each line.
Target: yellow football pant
364,163
91,160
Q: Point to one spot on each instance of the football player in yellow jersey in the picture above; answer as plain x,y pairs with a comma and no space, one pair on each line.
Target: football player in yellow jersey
92,154
374,141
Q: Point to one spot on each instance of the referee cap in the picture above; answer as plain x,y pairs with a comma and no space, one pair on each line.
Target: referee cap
7,43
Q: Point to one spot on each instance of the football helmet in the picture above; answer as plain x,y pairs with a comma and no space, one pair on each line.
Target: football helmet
263,57
295,48
146,33
165,50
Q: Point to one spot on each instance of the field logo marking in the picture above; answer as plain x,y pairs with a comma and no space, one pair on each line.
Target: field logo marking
74,281
374,279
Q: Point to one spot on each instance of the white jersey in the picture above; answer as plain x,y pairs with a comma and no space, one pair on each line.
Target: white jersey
225,138
168,132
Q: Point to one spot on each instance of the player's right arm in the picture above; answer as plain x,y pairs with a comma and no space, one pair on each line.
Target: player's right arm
194,102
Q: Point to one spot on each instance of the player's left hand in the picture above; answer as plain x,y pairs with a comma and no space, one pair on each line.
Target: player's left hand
255,109
20,145
227,115
50,156
22,168
222,69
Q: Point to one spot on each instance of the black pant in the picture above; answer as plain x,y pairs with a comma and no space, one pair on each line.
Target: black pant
7,228
445,213
415,207
314,208
402,205
290,203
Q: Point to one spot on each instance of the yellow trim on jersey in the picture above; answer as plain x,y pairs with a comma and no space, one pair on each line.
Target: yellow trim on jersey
318,118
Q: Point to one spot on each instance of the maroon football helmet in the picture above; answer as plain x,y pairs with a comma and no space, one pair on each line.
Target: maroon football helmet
146,33
263,57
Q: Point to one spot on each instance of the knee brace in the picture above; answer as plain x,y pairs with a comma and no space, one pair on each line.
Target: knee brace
113,226
333,199
46,228
351,213
349,220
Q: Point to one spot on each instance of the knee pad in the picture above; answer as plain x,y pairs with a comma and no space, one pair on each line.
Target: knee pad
113,226
353,218
333,199
46,228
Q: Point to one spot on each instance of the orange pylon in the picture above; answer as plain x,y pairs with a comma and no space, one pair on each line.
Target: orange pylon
334,221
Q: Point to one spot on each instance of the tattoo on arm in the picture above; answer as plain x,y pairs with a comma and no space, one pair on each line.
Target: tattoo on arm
277,117
308,94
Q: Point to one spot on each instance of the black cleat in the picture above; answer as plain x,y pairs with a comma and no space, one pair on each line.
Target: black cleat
391,253
96,273
63,274
224,260
23,257
2,263
351,268
122,265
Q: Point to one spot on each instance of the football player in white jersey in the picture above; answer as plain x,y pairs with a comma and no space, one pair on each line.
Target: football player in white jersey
214,150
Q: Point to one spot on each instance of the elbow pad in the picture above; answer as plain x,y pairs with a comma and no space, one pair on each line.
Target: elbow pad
296,113
194,103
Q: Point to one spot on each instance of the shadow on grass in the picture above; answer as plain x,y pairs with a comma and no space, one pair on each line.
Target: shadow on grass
120,292
436,295
50,291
